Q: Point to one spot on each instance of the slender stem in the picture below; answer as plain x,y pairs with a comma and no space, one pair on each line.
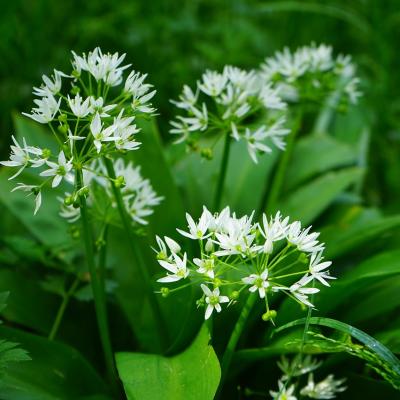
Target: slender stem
143,269
98,292
235,336
222,172
62,308
271,195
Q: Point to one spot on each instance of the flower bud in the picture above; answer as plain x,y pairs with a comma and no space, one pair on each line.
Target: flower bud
235,295
75,73
303,258
164,292
271,314
83,192
62,117
217,282
206,153
63,128
46,153
209,245
200,302
119,182
75,90
69,200
100,242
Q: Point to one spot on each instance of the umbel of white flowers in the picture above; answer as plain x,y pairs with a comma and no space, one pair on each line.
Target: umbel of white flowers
236,254
234,102
91,112
311,73
138,194
297,369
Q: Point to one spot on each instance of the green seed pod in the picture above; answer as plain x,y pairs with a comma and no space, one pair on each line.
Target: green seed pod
271,314
235,295
207,153
164,292
120,182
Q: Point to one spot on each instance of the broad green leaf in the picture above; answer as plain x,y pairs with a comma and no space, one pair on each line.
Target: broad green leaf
10,352
154,166
28,305
191,375
305,164
348,285
348,235
56,371
312,199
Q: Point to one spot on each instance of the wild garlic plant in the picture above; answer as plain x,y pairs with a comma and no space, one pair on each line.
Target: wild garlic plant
234,104
91,112
138,194
237,254
301,370
311,73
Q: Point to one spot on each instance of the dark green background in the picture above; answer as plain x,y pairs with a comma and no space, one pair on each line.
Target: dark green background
175,41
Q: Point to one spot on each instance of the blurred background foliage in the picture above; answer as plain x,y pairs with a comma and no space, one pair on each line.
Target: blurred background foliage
176,41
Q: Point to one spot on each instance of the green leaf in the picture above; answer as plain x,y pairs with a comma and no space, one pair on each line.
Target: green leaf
191,375
154,166
372,344
348,235
10,352
56,371
305,165
311,200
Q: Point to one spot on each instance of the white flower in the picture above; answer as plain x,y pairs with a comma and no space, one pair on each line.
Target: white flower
32,189
196,231
124,132
259,282
19,157
80,108
213,300
177,266
199,120
236,236
299,365
301,293
205,266
302,239
72,138
273,230
173,247
254,142
104,67
317,268
325,389
283,393
97,106
187,99
50,85
270,98
58,170
99,134
213,83
47,108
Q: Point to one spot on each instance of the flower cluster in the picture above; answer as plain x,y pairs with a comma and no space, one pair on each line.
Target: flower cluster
311,73
235,102
138,194
237,254
298,367
91,113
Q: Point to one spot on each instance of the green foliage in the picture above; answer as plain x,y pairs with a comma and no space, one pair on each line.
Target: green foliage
193,374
